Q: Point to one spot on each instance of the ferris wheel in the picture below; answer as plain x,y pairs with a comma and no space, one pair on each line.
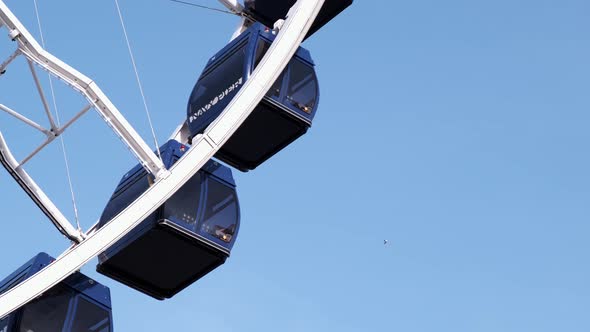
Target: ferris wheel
255,96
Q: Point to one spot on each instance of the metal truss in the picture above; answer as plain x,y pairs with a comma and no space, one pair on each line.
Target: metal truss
298,22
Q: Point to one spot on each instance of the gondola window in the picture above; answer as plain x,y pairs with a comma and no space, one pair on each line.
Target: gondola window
91,318
184,203
221,212
47,314
303,88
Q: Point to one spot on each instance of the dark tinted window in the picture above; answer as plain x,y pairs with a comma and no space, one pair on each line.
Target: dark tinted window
48,313
184,203
218,87
221,213
4,325
13,282
91,318
126,196
261,50
302,91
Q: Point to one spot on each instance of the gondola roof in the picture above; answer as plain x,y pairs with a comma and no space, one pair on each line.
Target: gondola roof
269,11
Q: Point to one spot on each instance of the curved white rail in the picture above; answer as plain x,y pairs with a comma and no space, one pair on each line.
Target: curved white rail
299,20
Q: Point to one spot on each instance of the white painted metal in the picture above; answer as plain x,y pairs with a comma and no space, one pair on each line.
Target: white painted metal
233,5
204,147
237,8
42,96
24,119
5,64
74,119
181,134
36,194
51,134
48,140
29,47
16,170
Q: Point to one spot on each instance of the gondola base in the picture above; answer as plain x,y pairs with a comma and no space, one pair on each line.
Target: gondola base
162,261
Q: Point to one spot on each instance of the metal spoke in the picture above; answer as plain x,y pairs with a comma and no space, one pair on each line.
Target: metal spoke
42,95
5,64
25,119
30,156
74,119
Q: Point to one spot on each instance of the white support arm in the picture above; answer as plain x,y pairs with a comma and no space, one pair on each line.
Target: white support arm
233,5
204,147
29,47
181,133
36,194
11,58
237,8
24,119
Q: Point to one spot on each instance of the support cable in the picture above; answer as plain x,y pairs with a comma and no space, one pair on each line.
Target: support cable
63,145
138,79
300,18
206,7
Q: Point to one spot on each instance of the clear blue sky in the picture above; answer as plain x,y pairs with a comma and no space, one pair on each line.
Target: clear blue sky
457,130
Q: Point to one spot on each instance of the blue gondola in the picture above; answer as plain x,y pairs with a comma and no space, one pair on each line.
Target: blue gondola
269,11
285,113
190,235
78,304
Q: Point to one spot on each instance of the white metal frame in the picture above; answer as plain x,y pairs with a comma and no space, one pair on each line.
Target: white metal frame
28,47
233,5
36,194
35,55
238,8
299,20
